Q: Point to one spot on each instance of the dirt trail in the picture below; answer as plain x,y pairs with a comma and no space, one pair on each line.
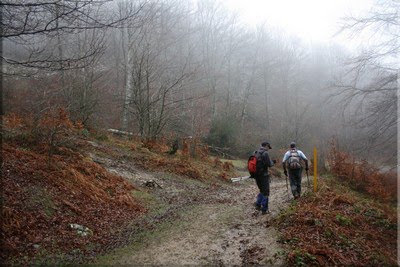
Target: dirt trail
232,233
199,223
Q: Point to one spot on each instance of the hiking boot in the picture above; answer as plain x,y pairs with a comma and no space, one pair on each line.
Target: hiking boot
263,212
257,206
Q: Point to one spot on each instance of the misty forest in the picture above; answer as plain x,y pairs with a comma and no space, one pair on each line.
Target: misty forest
127,126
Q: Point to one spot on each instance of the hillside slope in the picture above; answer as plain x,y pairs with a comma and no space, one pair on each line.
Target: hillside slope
339,226
42,200
133,202
77,203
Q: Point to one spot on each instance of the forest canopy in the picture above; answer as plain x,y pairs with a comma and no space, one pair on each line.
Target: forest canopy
193,68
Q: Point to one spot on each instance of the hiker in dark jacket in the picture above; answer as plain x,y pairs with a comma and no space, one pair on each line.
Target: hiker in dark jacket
262,176
292,161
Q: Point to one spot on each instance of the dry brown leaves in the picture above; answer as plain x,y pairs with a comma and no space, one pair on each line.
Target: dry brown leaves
227,166
333,228
13,121
183,163
363,176
217,162
41,200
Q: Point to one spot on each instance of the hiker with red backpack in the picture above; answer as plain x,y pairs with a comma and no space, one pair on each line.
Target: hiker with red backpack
258,165
292,161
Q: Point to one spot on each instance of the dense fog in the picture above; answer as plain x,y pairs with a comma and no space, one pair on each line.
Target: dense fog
175,69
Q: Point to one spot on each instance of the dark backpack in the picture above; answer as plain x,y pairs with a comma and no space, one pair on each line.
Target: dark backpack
294,160
254,163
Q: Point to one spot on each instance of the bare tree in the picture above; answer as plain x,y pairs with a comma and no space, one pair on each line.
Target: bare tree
154,76
369,88
217,42
30,30
141,64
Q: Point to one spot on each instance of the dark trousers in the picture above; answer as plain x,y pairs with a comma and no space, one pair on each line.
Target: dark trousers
295,181
263,185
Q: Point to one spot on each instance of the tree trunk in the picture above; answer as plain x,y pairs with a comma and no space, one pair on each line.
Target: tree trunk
128,82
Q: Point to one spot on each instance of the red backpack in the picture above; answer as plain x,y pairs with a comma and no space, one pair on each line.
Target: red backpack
252,165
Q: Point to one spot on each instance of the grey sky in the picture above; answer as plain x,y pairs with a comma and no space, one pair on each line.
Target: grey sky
311,20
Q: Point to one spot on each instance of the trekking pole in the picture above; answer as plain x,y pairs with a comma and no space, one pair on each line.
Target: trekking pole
287,187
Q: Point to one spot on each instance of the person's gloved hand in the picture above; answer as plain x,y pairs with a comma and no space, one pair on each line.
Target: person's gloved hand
285,172
274,161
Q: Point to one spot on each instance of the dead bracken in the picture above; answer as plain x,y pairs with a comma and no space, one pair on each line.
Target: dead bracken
41,201
338,227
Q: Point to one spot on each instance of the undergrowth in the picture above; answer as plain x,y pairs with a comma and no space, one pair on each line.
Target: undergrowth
338,226
48,185
363,176
153,156
50,182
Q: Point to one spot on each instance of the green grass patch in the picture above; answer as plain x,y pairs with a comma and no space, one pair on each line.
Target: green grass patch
144,197
155,207
286,213
45,257
343,220
239,164
303,258
148,237
101,137
185,221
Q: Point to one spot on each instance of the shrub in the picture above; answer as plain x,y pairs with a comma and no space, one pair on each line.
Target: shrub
52,130
363,176
223,132
337,227
16,129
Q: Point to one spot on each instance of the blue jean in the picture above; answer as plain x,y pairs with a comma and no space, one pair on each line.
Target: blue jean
262,201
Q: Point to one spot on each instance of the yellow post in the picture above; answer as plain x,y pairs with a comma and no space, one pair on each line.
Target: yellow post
315,169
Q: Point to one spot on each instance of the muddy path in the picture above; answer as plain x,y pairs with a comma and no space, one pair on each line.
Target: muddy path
232,233
193,222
